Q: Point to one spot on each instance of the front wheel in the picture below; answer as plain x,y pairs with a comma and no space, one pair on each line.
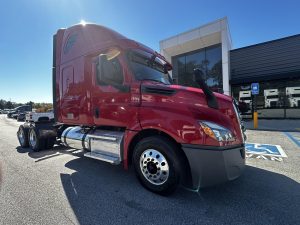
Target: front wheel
157,164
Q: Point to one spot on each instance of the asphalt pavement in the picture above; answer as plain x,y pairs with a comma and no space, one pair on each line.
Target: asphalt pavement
60,186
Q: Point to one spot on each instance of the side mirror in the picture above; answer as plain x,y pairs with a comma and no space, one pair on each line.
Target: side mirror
210,97
167,67
198,76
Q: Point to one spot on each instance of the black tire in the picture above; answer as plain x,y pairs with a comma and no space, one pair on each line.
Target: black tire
50,142
36,143
170,153
23,136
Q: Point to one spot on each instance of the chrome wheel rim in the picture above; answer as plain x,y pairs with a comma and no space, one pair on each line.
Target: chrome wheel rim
32,138
154,167
21,136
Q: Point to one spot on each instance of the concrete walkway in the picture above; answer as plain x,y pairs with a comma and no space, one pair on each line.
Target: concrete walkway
275,125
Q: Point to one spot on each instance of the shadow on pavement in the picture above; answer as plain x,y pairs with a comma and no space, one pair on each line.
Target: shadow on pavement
100,193
50,153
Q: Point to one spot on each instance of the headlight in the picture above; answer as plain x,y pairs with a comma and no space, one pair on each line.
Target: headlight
216,131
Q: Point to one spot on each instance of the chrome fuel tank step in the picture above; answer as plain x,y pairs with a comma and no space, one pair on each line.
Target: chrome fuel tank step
102,157
102,144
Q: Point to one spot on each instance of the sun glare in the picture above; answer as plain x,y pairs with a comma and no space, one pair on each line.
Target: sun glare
83,22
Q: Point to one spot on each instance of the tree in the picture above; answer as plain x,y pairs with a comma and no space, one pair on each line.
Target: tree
43,107
9,105
30,103
2,104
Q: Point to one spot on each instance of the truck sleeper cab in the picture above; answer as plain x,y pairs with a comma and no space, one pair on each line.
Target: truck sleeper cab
293,95
113,98
271,98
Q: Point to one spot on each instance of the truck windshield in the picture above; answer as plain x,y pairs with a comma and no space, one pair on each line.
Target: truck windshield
245,98
272,96
146,66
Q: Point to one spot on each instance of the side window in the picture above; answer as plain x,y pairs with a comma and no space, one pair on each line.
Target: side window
109,71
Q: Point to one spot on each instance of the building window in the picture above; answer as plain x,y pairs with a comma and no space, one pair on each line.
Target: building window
209,60
276,99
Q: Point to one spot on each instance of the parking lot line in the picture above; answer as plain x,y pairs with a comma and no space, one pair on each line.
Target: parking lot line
294,138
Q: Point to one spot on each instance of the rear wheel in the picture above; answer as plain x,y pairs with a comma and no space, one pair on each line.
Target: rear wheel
36,143
50,142
23,136
157,164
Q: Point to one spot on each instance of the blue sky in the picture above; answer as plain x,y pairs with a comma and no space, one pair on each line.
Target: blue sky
27,27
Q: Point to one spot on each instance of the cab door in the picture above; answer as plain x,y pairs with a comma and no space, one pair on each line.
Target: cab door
110,98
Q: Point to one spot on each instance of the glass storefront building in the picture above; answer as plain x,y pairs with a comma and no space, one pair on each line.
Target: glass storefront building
207,48
275,65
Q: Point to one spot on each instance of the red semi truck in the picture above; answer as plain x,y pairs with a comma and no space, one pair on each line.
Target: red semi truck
113,98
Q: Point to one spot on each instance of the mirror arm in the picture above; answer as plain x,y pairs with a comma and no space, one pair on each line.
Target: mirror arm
210,97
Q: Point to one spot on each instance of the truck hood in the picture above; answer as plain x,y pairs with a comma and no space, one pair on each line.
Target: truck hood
188,95
198,91
191,102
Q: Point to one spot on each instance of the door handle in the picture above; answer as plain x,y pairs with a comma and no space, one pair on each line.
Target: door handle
97,113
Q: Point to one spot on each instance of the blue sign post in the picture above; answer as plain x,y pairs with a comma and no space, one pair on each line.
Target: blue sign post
255,88
255,91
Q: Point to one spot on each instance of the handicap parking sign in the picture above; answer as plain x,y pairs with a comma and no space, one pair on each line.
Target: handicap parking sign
255,88
265,150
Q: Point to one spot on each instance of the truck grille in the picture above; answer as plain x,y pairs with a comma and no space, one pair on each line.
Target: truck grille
236,109
273,104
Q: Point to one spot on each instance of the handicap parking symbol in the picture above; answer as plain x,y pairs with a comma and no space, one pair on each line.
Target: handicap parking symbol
265,150
294,137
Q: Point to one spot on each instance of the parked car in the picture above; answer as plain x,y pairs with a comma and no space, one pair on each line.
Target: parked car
34,116
21,117
15,115
20,109
10,114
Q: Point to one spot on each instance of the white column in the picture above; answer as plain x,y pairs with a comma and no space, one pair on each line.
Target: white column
226,46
